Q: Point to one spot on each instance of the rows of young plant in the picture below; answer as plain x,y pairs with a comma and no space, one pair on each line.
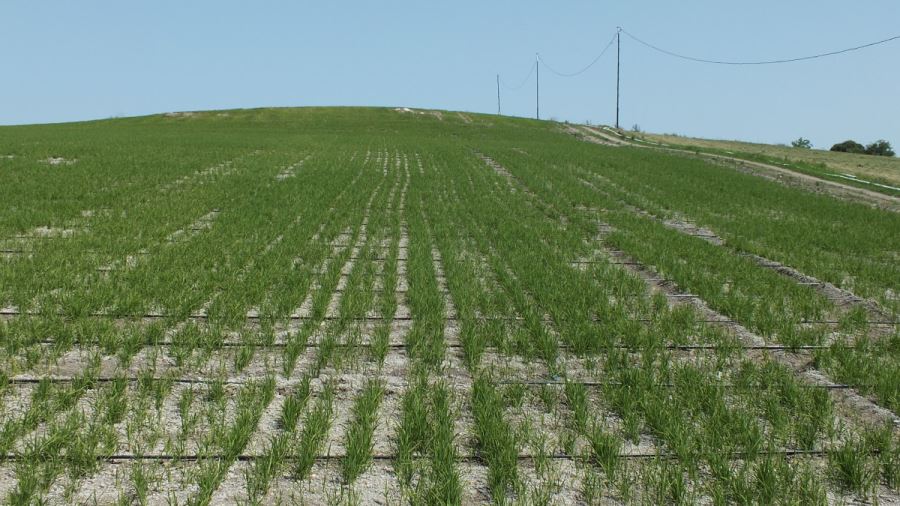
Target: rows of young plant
847,244
850,245
268,259
288,306
619,340
851,348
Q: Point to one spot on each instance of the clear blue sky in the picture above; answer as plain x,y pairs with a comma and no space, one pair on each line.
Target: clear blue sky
65,60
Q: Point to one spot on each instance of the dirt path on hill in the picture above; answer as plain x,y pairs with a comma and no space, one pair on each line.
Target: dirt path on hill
768,171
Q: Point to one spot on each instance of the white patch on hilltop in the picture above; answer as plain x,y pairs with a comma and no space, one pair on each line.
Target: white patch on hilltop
58,160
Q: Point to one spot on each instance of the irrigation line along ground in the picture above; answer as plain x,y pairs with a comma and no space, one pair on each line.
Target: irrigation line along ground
151,316
400,346
737,455
285,384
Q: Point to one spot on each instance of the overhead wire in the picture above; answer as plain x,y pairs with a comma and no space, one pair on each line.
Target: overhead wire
617,36
583,70
760,62
524,81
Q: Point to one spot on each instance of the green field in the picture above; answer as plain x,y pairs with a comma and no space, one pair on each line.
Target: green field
353,305
875,173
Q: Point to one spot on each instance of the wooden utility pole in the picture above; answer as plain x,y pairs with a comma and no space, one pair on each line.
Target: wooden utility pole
537,90
498,94
618,69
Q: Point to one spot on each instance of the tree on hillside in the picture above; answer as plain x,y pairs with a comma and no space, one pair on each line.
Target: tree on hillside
880,147
802,143
849,147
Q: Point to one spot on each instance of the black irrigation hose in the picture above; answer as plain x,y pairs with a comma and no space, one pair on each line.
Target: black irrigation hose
209,381
390,457
400,346
129,379
830,386
156,316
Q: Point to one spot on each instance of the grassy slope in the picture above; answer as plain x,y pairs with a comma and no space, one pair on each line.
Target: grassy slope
815,162
123,164
40,194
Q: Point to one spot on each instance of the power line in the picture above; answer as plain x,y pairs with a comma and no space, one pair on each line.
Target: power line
763,62
535,67
583,70
524,81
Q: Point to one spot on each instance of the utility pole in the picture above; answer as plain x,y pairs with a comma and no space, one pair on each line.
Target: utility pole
618,69
498,94
537,83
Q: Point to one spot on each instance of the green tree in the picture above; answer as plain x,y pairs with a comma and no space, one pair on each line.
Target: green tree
880,147
802,143
849,147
